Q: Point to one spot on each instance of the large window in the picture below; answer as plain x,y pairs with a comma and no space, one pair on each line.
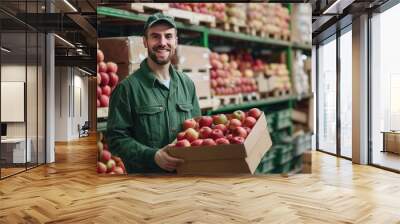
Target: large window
385,85
327,96
22,78
346,93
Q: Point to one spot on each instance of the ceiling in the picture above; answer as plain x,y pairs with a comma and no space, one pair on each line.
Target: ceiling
72,20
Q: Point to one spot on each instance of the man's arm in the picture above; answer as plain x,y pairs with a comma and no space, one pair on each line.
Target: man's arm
120,127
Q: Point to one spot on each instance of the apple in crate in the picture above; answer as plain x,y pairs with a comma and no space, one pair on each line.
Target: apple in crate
205,121
221,127
189,123
191,134
220,119
181,135
209,141
182,143
234,123
100,56
237,140
102,67
254,112
240,131
119,170
240,115
197,142
249,122
222,141
216,134
205,132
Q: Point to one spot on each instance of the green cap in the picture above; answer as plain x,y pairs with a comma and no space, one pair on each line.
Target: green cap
157,17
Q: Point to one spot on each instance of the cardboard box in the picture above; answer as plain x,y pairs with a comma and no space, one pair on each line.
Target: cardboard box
299,116
127,52
226,159
192,57
201,81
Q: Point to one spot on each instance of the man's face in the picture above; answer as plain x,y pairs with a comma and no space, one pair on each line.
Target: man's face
160,42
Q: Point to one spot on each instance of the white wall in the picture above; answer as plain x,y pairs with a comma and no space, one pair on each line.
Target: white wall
69,85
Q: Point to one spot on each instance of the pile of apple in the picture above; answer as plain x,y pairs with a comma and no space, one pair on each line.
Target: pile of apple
108,163
215,9
234,73
236,13
276,19
219,129
107,79
279,76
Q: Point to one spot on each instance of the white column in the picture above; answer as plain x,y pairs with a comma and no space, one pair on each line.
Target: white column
360,90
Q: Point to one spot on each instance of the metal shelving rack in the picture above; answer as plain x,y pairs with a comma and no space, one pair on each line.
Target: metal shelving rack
267,105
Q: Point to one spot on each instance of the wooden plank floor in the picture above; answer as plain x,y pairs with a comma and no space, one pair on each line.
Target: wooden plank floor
70,191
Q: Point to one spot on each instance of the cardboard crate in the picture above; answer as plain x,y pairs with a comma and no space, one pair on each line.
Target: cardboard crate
201,80
126,52
226,159
192,57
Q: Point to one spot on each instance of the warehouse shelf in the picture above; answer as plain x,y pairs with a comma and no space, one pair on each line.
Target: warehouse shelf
302,46
119,13
258,103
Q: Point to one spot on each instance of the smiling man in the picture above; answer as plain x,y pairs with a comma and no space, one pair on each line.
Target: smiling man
148,107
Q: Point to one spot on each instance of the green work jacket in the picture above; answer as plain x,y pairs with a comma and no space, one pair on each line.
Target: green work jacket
144,116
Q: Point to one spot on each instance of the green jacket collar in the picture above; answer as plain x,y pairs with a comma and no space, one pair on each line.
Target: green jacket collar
149,78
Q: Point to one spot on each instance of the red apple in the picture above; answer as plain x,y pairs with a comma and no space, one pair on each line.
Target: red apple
119,170
110,165
209,141
99,91
205,121
98,103
106,155
234,123
98,78
197,142
240,131
100,56
248,130
240,115
102,67
249,122
222,141
205,132
104,78
106,90
181,135
254,112
191,134
229,137
237,140
221,127
112,67
216,133
220,119
189,123
113,79
104,101
101,167
182,143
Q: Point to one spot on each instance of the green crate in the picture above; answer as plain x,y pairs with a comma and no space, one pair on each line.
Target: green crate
284,119
302,143
267,162
271,122
297,162
284,153
283,168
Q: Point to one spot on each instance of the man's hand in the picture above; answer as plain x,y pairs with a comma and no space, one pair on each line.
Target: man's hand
166,161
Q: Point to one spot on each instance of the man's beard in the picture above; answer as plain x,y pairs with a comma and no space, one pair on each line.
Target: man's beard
152,54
